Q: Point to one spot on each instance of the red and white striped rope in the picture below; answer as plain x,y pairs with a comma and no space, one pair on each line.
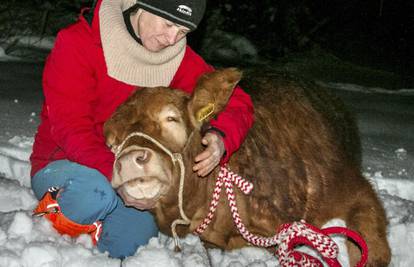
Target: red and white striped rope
213,206
251,238
300,230
224,173
283,238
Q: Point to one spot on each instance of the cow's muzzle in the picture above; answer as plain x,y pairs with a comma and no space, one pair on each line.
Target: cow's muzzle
175,158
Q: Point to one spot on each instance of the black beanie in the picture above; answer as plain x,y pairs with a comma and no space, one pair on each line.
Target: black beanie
187,13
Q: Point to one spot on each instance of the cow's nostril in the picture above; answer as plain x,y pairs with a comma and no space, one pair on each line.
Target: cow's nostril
142,156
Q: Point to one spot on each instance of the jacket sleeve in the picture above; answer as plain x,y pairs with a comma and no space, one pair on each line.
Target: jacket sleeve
69,89
238,116
235,121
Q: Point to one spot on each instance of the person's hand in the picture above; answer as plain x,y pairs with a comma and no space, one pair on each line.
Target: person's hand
207,160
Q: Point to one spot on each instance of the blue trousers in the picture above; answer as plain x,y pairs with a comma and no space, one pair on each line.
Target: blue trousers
87,196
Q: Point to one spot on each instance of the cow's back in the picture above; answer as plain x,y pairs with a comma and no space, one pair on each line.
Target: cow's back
268,88
299,149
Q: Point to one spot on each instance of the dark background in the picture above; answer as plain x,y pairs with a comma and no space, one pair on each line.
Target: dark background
327,39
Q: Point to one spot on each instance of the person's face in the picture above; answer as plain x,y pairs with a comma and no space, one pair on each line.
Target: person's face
157,33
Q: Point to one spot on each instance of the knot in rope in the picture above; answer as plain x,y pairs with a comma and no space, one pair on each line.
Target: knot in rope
245,186
303,233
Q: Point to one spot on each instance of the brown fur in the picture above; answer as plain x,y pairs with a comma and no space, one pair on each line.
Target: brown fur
301,155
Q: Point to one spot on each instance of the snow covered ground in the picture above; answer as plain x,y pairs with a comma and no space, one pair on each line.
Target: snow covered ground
386,121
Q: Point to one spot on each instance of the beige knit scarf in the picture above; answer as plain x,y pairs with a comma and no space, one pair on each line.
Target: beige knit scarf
126,59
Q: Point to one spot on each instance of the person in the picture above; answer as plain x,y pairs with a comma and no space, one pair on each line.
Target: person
116,47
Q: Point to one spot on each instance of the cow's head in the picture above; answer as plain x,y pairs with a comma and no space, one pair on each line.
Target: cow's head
143,172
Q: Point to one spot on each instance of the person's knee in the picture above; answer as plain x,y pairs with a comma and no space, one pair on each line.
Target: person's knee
49,176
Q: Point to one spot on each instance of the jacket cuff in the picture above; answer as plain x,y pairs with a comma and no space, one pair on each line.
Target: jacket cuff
207,127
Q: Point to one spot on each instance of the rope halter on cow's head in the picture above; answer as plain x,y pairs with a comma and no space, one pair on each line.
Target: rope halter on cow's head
175,158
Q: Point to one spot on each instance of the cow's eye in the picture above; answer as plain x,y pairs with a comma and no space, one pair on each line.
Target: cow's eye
170,118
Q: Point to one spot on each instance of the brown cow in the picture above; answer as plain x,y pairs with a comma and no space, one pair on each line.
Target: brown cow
301,156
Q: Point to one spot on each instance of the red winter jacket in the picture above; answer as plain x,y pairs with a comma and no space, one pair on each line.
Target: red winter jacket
80,97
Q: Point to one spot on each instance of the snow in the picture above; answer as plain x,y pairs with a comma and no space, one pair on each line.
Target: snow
366,90
385,119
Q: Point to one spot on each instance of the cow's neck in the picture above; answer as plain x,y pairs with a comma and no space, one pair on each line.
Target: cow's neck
196,191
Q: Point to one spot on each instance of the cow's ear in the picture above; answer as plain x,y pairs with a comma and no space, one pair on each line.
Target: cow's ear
212,93
112,130
115,127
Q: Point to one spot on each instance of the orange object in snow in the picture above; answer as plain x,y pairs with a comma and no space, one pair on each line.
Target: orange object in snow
49,208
